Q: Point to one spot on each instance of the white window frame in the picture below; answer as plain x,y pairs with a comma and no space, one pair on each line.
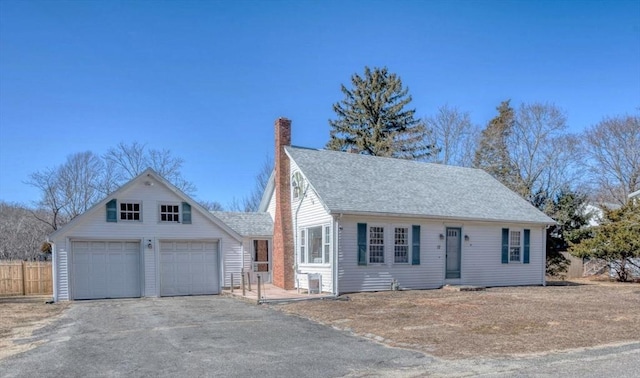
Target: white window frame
133,212
408,238
296,191
172,204
325,245
370,245
519,245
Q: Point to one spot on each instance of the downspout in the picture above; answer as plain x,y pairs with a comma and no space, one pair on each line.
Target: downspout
295,234
336,250
544,255
54,270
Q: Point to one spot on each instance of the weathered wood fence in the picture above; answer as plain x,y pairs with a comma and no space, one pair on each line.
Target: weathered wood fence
25,277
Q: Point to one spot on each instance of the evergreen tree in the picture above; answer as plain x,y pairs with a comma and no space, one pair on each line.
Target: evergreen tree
492,154
616,240
568,210
373,119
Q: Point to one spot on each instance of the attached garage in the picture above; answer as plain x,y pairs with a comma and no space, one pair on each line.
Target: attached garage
105,269
189,268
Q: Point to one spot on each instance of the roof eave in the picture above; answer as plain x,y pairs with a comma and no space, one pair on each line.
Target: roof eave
437,217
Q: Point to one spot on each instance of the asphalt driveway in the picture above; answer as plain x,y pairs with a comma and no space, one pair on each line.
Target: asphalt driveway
197,336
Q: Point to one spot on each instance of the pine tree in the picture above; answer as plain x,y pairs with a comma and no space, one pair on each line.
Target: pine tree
492,154
372,118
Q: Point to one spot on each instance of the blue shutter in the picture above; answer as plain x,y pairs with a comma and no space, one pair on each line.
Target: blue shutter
415,253
186,213
362,244
112,211
527,237
505,245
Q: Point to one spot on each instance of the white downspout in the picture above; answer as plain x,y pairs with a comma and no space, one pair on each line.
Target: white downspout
336,250
54,270
544,255
295,234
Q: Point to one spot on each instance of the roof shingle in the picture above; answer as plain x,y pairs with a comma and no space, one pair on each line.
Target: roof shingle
354,183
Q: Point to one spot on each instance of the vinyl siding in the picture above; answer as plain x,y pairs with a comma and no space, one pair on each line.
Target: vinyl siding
93,226
376,277
271,208
311,213
480,257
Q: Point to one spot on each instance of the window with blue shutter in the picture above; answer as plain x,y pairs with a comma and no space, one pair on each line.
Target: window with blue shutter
527,238
112,211
186,213
415,252
505,245
362,244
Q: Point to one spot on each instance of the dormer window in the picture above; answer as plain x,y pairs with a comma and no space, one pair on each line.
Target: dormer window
297,185
130,211
170,213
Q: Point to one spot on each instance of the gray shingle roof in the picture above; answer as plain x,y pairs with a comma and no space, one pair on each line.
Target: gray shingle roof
353,183
247,224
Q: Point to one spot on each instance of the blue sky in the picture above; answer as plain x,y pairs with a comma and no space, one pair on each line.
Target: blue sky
207,79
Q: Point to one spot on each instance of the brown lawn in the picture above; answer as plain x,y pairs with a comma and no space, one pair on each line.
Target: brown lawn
20,316
494,322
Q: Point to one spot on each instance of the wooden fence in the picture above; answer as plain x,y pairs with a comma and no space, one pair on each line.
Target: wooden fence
25,278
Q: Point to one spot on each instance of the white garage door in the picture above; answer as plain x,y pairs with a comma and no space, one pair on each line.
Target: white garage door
188,268
105,269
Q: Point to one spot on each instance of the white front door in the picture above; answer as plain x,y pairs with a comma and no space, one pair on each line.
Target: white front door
189,268
453,253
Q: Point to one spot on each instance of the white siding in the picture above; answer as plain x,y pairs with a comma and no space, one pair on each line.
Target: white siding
311,213
93,226
481,257
271,208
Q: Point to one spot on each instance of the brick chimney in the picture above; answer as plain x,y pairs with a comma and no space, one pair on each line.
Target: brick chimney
283,254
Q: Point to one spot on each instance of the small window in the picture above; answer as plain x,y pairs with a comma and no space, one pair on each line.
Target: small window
297,185
327,243
130,211
303,246
401,245
376,245
170,213
514,246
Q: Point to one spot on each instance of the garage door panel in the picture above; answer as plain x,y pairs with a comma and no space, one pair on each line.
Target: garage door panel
106,269
188,268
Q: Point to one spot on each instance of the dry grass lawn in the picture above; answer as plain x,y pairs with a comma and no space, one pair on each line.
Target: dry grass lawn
494,322
20,316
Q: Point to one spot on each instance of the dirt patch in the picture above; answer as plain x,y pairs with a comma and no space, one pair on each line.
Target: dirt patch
494,322
20,316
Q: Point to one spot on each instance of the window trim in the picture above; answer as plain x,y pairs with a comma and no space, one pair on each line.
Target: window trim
178,213
125,203
384,243
408,243
520,245
304,248
297,191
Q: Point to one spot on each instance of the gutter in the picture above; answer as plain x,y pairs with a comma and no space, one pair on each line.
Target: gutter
438,217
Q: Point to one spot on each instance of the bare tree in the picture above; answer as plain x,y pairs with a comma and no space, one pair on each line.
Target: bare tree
612,149
453,135
251,202
542,152
211,205
51,197
129,160
21,235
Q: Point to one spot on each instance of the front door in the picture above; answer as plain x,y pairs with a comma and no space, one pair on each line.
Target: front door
260,261
453,253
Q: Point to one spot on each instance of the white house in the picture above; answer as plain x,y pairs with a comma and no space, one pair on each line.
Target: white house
149,239
355,222
364,223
